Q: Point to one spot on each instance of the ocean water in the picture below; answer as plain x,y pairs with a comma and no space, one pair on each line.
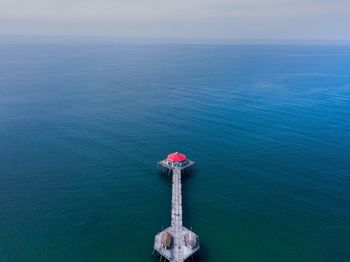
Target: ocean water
82,125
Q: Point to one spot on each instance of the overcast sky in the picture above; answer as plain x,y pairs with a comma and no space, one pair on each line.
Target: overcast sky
179,19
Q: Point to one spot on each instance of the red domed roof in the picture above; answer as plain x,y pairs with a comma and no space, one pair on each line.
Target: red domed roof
176,157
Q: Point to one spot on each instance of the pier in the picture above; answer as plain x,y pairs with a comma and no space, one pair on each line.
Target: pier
176,243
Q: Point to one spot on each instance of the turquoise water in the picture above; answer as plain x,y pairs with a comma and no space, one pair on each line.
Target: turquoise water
82,126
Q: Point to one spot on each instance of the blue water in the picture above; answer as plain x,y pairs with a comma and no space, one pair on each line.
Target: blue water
82,125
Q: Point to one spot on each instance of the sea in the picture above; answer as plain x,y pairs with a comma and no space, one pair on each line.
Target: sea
83,123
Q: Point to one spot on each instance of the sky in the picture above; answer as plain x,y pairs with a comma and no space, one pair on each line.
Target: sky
179,19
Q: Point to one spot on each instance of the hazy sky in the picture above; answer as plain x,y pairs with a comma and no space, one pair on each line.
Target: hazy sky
182,19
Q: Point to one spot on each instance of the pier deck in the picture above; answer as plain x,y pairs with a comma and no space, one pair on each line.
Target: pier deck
176,215
179,250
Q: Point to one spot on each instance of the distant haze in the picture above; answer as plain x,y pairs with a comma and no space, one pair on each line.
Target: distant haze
180,19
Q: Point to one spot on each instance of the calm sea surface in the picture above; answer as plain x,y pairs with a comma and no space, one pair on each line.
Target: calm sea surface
83,124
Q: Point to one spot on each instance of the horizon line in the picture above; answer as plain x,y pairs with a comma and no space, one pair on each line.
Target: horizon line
177,40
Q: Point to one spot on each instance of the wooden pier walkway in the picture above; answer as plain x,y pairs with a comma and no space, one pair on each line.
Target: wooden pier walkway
176,215
176,243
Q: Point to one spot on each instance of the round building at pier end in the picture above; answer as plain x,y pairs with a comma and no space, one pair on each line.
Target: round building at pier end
176,160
